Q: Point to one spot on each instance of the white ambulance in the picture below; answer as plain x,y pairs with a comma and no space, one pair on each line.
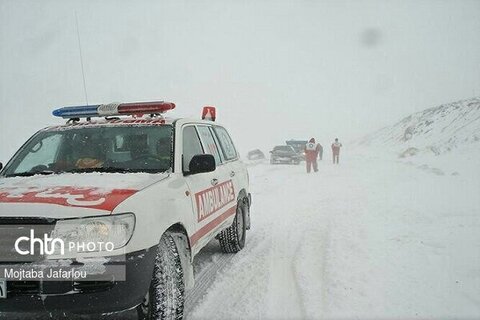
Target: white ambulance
118,186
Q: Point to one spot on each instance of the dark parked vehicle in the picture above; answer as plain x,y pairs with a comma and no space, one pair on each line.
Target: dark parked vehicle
256,154
298,146
284,154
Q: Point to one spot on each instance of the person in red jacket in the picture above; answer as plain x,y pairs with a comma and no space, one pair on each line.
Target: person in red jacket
311,153
336,150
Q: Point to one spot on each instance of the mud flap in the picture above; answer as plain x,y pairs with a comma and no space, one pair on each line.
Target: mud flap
247,215
183,248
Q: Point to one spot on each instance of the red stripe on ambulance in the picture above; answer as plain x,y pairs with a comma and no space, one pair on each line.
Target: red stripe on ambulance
93,198
212,225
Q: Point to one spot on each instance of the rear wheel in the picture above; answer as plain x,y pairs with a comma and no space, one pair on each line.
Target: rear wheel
166,296
232,239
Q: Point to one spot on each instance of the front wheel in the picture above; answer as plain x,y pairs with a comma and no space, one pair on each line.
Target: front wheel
232,239
166,296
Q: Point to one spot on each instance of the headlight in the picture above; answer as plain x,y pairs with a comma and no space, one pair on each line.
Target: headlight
104,233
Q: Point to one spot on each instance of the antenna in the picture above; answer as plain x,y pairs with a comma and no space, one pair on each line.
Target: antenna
81,59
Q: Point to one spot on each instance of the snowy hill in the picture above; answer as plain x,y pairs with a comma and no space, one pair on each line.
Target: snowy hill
436,130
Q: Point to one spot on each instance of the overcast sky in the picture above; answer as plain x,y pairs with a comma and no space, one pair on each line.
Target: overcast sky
274,69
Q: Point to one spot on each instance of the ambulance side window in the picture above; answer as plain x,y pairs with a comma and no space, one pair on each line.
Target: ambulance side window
209,143
226,143
191,146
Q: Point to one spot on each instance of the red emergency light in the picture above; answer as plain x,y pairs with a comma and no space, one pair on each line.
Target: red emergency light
209,113
145,107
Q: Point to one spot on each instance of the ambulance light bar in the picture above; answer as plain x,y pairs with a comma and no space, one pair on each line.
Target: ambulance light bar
114,109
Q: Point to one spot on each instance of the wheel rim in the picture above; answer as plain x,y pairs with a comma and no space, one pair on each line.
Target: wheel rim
240,224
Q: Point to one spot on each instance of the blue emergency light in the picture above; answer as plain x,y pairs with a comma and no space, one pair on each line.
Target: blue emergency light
77,112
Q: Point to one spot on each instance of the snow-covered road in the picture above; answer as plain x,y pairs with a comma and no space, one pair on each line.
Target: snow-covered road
370,238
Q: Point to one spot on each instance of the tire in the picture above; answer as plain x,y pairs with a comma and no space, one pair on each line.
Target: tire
232,239
166,296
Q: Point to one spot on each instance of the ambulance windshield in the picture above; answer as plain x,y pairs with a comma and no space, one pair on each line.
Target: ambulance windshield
95,149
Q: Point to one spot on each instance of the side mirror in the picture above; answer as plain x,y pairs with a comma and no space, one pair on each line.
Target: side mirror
201,163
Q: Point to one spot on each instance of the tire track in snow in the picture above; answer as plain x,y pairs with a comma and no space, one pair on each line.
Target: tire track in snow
310,268
204,279
285,300
235,284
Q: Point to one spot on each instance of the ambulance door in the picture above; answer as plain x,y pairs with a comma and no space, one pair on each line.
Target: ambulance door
205,188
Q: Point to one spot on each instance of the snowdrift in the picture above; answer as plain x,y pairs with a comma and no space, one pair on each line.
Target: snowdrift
436,130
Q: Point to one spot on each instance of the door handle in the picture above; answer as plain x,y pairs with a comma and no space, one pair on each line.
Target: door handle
214,182
232,174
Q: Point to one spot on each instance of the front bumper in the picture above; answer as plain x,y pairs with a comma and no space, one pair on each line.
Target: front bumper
84,297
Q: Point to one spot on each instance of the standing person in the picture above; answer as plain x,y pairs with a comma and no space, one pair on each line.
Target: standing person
336,150
311,153
320,152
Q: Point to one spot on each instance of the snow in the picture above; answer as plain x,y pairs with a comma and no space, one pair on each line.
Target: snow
436,130
370,238
373,237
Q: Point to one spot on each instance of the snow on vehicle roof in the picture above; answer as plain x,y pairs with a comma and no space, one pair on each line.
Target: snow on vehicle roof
126,122
113,122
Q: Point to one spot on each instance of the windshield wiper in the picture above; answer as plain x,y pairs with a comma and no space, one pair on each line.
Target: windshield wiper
103,169
114,170
85,170
30,173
